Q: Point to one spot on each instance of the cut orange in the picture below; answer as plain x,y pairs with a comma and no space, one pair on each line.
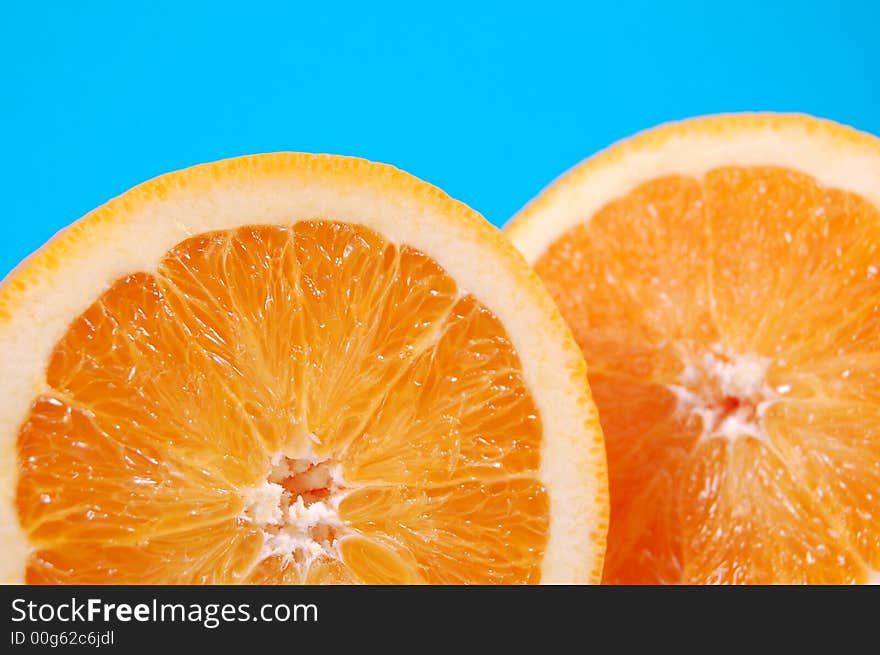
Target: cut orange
292,369
722,276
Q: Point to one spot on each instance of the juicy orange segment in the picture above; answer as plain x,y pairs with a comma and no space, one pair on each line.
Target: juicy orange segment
731,321
464,532
280,405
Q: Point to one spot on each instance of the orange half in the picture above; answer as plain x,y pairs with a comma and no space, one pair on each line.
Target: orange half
292,369
722,276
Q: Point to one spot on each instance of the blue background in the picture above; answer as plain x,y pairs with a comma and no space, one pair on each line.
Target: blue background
490,101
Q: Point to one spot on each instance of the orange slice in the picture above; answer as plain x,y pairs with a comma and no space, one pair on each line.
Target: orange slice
292,369
721,276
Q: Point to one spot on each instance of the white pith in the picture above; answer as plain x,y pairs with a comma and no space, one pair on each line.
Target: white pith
298,531
704,387
147,224
835,156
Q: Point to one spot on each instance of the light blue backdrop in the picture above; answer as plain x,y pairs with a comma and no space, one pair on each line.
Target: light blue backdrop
488,100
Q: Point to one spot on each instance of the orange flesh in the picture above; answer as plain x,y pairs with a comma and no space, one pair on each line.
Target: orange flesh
672,289
315,345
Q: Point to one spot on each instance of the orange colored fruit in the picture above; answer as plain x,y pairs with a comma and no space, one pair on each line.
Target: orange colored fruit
292,369
721,277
